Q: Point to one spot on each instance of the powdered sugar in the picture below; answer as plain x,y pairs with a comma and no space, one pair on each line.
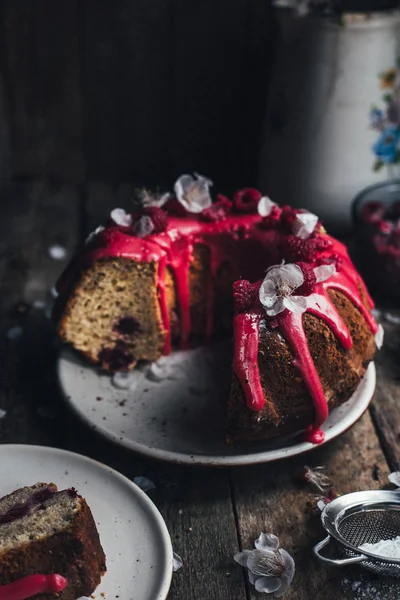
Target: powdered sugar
387,548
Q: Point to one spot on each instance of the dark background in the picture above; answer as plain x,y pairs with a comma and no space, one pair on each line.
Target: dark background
133,90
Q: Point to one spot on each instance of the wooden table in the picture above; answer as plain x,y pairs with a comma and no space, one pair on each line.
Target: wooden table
210,513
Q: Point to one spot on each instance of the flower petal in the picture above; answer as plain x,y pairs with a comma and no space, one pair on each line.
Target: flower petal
285,583
252,577
296,304
394,478
304,224
144,226
323,272
379,337
267,293
277,308
193,194
121,217
288,562
267,585
94,233
265,205
242,557
177,562
267,541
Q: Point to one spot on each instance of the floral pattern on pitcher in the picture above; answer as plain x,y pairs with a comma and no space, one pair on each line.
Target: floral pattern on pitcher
386,120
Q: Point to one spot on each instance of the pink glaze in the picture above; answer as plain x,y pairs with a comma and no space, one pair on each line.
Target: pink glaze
31,586
245,362
239,241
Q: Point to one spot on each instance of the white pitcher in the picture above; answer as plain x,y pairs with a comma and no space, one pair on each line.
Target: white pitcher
317,152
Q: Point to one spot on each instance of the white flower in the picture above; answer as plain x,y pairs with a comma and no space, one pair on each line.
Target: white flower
265,205
149,199
379,337
193,192
94,233
317,478
144,226
121,217
304,224
177,562
276,291
270,568
395,478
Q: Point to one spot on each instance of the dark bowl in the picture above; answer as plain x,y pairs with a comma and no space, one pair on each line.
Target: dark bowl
377,236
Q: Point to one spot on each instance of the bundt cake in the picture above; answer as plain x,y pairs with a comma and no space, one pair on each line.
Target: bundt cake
161,277
49,545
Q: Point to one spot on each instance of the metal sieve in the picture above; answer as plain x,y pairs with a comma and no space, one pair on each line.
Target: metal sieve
358,518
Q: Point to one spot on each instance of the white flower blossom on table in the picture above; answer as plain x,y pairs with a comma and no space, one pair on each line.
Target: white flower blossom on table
265,206
276,291
150,199
193,192
317,478
304,224
270,568
143,226
379,337
121,217
395,478
177,562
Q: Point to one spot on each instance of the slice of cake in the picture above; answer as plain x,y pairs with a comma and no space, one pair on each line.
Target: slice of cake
49,545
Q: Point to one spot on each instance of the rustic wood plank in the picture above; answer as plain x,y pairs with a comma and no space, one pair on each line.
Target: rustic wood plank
43,81
385,408
271,498
33,218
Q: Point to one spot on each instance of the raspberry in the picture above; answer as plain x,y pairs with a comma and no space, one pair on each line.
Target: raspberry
272,221
288,216
218,210
372,212
159,218
246,200
295,249
310,280
333,259
174,207
319,244
245,295
384,226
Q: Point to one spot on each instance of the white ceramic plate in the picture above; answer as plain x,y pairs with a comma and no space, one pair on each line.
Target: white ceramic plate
175,409
132,532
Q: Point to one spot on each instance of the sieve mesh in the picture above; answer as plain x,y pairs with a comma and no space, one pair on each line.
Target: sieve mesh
371,526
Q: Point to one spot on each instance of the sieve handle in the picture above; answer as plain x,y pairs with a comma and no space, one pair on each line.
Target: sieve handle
335,561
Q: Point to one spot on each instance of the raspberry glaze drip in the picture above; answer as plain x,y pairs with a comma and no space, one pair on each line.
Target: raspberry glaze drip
31,586
291,326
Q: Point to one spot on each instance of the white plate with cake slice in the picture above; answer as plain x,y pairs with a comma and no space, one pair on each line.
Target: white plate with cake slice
175,409
132,532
